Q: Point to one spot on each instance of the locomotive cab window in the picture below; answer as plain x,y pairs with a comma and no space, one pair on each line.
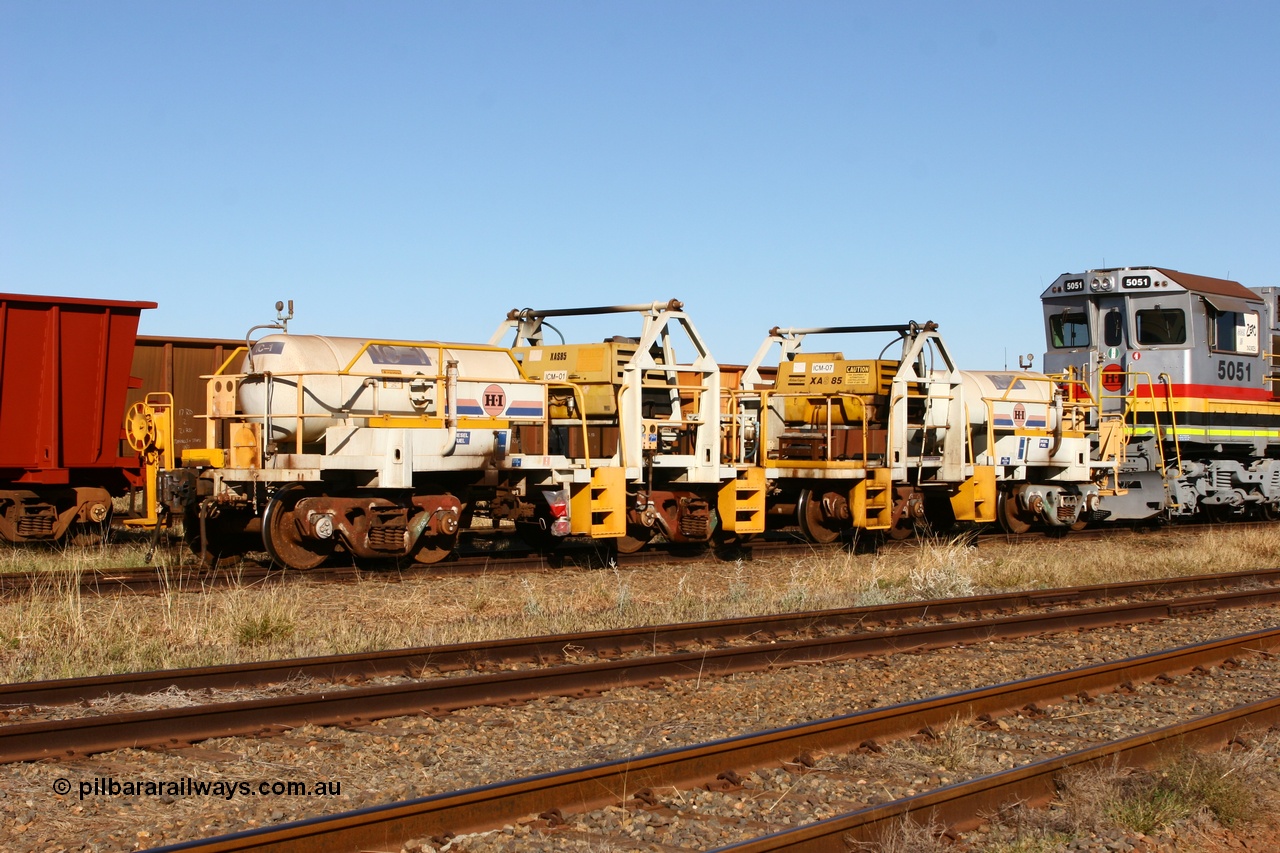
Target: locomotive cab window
1233,331
1161,326
1069,330
1113,328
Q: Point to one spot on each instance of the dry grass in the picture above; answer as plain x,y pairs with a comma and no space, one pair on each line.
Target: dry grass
1194,794
128,551
1198,793
57,632
909,836
1221,786
954,747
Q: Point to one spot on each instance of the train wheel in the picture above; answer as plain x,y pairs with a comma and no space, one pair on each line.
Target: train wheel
902,530
91,533
283,539
812,521
636,537
1007,513
433,549
906,521
1222,514
904,524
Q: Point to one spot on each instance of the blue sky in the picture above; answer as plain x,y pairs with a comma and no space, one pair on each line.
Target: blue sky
415,169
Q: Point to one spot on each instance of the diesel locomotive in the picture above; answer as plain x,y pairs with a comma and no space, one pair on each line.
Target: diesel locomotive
1176,375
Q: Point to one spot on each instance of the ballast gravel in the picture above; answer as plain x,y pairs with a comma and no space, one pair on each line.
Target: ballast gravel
134,799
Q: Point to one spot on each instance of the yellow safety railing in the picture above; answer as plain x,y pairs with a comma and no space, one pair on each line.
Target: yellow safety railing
579,400
1129,403
828,401
371,380
1005,397
734,414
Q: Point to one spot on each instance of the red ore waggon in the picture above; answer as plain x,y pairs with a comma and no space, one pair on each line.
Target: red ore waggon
64,375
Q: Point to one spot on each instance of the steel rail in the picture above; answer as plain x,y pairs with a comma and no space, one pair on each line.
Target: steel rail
180,726
137,581
961,807
605,644
469,561
586,788
194,578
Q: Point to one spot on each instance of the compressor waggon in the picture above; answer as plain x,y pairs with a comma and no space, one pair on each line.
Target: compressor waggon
912,442
643,418
378,447
1157,401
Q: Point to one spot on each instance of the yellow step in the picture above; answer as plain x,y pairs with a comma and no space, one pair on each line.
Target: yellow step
740,503
873,500
599,508
975,499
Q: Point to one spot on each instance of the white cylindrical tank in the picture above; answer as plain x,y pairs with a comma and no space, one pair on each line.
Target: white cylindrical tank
1010,399
344,378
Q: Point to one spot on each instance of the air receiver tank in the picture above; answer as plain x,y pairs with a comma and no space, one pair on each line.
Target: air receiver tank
1012,399
344,378
1016,418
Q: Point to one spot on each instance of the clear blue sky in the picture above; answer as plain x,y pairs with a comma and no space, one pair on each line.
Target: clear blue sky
415,169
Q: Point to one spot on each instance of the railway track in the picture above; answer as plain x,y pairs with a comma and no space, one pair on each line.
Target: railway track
482,557
402,760
685,782
190,577
172,727
612,644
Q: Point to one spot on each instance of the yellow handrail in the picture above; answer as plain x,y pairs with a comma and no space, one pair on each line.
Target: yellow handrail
829,400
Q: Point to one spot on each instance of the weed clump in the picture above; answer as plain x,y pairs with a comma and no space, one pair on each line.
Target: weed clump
1191,791
1217,786
263,629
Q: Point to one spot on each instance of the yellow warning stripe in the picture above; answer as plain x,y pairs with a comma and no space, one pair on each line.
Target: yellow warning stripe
1199,404
1220,433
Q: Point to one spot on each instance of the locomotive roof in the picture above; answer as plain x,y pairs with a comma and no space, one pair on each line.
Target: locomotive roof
1194,283
1205,284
